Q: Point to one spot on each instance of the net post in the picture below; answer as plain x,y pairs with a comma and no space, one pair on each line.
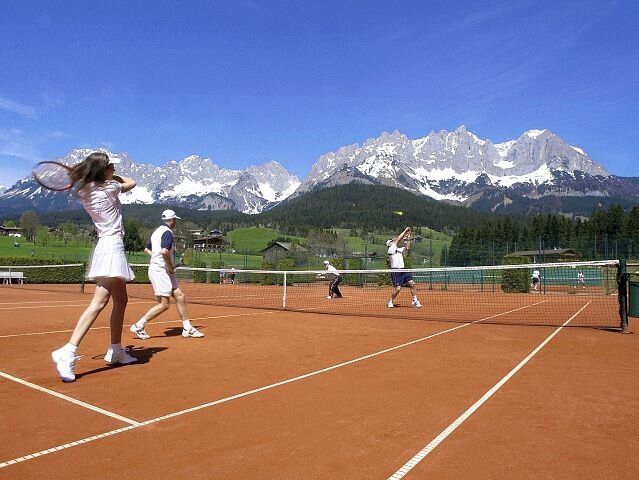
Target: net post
284,293
622,295
83,273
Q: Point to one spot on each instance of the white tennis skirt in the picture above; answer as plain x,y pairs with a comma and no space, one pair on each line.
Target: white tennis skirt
109,259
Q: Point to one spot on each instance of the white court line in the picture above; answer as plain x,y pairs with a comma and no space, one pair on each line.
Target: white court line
38,301
85,304
69,399
250,392
50,332
408,466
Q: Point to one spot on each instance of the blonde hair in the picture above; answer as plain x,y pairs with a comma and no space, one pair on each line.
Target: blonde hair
91,169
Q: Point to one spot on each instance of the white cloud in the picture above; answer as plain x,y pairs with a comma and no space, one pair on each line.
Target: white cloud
19,108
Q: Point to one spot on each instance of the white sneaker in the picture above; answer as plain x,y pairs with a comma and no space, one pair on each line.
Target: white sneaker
417,304
65,363
119,355
140,332
329,297
391,305
192,332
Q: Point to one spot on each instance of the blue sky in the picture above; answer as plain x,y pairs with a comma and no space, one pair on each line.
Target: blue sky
246,81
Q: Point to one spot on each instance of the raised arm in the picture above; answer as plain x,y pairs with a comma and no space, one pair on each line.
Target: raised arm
127,183
401,236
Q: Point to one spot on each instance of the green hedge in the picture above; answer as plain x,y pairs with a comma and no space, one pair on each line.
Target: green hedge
516,281
141,274
45,275
199,276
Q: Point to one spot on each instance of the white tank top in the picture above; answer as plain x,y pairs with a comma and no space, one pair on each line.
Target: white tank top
157,260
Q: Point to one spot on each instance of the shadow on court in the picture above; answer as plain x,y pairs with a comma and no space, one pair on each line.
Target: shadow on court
177,331
143,354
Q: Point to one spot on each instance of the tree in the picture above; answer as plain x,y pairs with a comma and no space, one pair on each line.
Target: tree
43,236
133,241
29,222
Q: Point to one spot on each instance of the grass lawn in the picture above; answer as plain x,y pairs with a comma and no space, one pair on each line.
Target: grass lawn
252,240
245,244
54,249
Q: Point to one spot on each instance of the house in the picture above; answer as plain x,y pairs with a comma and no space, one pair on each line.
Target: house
210,244
11,231
548,256
278,250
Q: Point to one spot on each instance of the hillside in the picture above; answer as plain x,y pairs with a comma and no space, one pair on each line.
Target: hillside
369,207
372,208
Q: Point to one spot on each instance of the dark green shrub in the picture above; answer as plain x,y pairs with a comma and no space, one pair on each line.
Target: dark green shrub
516,281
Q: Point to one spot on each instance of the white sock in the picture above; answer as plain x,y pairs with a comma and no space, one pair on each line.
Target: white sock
69,347
187,324
415,298
141,323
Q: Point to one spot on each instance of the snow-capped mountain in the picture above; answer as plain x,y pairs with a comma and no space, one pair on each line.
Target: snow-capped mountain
195,182
451,165
538,170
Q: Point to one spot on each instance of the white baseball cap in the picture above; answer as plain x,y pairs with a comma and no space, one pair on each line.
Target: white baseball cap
326,262
389,242
169,214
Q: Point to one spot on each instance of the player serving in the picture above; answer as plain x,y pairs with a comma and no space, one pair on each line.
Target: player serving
400,279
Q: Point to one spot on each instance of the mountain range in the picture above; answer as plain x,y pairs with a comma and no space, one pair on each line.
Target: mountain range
538,171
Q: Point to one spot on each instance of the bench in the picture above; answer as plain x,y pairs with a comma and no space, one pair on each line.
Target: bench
7,277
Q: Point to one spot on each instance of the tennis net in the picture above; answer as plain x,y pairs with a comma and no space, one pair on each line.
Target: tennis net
586,291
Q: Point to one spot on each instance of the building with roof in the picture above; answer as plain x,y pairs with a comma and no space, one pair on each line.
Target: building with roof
548,256
278,250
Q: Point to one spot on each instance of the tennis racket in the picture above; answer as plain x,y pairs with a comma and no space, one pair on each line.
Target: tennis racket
53,176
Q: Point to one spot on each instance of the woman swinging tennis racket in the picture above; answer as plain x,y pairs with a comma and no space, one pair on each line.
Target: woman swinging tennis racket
98,188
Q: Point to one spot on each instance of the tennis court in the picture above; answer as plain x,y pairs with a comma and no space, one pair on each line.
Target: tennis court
469,386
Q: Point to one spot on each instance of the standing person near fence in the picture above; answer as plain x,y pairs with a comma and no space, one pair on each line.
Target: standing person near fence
400,279
98,188
334,278
535,278
162,276
581,280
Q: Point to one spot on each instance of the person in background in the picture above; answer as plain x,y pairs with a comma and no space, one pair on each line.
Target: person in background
535,278
162,276
334,278
98,189
396,258
581,280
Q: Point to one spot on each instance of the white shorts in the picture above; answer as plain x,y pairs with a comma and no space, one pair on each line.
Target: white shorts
163,282
109,259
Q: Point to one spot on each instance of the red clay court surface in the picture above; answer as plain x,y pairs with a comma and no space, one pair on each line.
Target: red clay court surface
271,394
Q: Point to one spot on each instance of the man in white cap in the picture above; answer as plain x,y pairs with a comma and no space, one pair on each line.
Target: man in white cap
400,279
162,275
335,278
